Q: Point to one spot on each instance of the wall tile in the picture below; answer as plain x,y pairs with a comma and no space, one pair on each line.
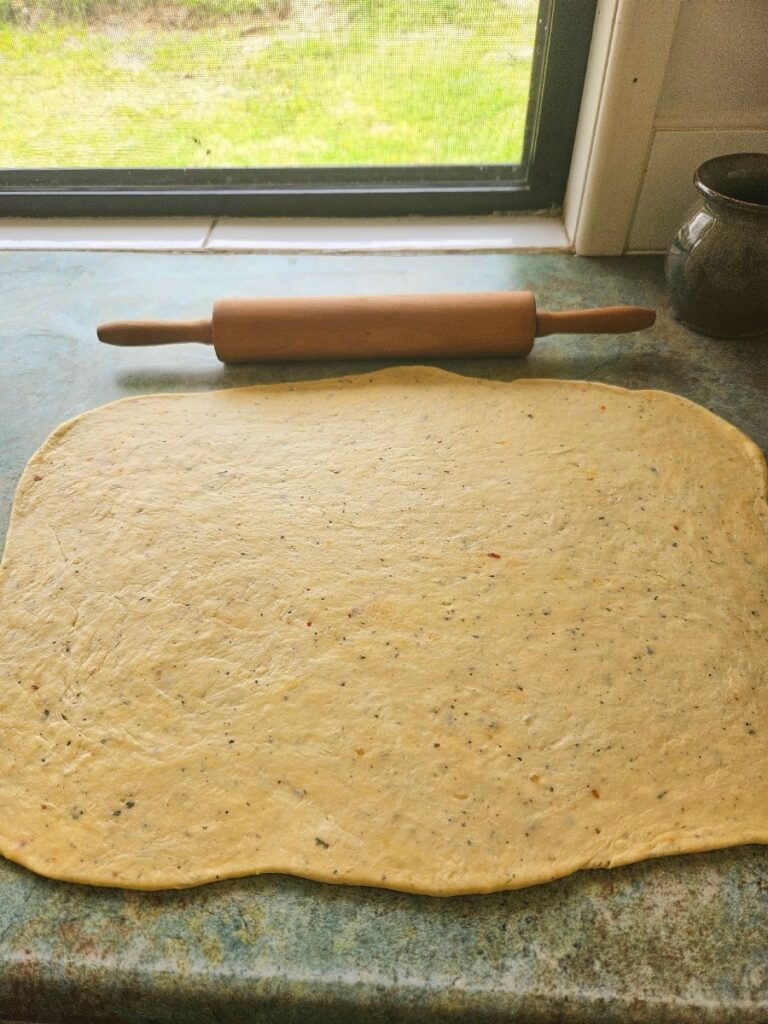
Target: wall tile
668,191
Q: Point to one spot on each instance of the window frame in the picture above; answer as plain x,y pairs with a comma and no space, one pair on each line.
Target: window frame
537,183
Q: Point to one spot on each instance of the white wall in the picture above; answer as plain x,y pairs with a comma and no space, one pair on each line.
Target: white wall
714,100
669,84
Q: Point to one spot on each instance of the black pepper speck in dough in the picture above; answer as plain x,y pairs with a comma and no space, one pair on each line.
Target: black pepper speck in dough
410,630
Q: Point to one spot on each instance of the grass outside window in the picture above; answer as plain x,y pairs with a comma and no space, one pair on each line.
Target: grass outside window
286,83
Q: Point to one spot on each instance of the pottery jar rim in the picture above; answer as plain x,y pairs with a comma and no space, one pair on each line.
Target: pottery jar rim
723,177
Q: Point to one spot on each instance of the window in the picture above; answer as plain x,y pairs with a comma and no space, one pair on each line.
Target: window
295,107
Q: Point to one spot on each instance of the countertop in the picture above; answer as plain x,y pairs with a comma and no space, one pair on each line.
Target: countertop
672,940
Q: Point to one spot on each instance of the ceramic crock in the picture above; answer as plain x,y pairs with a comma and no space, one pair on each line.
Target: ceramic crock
717,266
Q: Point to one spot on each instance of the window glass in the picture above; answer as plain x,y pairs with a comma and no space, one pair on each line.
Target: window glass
264,83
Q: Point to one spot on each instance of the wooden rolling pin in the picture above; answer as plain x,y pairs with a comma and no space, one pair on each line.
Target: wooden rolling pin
377,327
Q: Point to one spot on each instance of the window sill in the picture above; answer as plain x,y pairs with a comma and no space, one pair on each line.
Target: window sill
509,233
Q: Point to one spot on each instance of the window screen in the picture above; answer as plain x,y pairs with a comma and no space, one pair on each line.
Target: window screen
340,100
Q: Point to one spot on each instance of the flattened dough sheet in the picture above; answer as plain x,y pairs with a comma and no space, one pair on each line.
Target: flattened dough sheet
409,629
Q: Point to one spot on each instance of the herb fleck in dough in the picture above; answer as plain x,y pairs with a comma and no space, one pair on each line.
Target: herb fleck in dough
410,630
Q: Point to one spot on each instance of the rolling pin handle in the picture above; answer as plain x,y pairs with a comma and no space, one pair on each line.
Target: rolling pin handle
154,332
605,320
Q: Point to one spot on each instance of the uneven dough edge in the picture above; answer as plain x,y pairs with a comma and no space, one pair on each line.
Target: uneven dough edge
705,843
541,877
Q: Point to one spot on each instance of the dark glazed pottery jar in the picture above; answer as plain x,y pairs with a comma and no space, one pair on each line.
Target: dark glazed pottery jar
717,266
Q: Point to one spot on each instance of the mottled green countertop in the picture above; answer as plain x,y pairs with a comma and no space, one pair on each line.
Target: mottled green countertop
680,939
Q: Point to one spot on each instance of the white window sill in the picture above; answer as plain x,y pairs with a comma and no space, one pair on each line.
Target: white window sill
509,233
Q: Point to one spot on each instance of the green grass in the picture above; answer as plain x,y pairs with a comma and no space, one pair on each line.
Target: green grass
269,83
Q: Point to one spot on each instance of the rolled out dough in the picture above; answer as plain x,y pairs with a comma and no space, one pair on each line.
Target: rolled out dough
409,630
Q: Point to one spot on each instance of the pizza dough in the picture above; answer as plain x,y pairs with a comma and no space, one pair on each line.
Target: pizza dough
409,630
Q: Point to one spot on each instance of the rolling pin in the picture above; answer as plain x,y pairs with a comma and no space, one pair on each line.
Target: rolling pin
377,327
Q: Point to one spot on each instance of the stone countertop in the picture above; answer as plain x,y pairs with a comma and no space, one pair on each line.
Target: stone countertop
682,939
